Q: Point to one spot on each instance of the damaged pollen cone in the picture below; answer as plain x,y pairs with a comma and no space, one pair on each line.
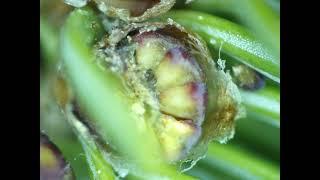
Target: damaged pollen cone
172,73
166,78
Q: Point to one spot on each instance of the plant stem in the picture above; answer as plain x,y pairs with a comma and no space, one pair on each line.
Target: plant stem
261,128
99,167
232,162
235,40
48,42
257,15
265,101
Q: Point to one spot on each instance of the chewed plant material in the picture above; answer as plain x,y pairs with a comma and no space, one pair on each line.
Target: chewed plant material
175,86
186,86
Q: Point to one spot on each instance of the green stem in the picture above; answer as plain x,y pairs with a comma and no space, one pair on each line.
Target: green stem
261,128
49,42
221,8
235,40
105,99
233,162
256,132
265,101
274,4
99,167
258,15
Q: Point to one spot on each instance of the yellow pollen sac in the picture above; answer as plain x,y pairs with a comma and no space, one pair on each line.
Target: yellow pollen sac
176,137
